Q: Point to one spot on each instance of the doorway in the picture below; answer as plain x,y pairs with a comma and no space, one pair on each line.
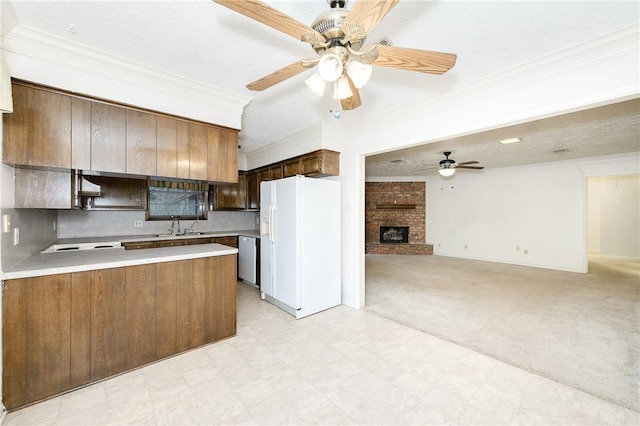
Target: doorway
613,224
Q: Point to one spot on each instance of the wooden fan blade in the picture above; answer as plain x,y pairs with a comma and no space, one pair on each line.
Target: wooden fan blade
465,163
354,101
273,18
278,76
366,14
470,167
414,59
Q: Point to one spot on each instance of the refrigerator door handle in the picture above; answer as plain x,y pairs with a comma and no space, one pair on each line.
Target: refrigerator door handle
273,224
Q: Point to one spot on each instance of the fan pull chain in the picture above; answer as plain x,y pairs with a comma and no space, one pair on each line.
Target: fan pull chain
336,109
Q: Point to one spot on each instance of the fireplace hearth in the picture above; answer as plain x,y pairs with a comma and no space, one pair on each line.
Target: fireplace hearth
394,234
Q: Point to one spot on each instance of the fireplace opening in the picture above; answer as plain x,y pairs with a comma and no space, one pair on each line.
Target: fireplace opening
394,234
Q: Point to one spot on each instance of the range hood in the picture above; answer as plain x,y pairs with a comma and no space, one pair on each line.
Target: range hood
87,188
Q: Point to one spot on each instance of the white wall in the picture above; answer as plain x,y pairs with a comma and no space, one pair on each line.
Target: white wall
593,215
539,210
614,216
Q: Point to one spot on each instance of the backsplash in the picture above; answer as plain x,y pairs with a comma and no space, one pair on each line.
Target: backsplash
36,232
83,223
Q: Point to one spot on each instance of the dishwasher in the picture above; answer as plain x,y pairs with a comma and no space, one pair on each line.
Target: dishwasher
248,260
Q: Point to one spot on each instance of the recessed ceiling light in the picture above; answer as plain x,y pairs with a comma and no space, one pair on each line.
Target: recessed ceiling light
510,140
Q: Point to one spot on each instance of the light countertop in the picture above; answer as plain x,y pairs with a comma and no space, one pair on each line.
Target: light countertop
40,264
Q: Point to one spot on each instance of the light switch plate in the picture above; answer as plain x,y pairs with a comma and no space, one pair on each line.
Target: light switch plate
6,223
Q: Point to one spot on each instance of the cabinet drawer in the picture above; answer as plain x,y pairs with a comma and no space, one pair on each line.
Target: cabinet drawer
140,245
170,243
193,241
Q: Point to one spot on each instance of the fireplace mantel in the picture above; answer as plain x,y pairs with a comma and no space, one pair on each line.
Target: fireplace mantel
395,206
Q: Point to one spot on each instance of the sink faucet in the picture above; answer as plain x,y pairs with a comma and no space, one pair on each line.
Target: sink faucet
174,220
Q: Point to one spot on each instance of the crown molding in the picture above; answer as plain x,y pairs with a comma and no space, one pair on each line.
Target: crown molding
619,44
31,43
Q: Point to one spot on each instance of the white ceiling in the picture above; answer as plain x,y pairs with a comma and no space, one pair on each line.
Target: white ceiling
207,43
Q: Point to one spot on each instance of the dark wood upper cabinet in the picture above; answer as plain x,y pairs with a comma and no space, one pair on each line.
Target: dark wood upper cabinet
108,138
198,147
56,129
80,134
38,132
141,143
232,196
253,191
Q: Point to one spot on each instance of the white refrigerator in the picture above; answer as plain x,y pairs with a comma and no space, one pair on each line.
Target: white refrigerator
300,244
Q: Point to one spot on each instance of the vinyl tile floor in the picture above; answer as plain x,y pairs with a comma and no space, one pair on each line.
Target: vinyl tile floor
340,366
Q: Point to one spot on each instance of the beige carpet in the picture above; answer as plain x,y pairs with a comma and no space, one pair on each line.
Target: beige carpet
580,330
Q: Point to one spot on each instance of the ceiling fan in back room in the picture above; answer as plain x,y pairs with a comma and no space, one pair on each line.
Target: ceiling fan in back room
448,166
338,35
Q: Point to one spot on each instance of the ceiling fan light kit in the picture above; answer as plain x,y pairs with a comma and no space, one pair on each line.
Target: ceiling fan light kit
447,171
316,83
330,67
337,36
448,166
341,89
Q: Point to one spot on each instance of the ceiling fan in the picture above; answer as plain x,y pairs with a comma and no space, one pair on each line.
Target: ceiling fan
337,36
448,166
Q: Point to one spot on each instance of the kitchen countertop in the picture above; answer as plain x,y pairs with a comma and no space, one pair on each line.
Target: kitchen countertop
40,264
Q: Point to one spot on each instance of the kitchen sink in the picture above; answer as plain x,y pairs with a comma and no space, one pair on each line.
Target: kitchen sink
182,234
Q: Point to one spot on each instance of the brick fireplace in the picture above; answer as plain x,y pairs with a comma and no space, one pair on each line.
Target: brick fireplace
395,216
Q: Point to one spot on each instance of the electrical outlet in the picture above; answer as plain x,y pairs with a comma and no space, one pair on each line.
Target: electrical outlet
138,223
465,247
517,248
526,251
16,236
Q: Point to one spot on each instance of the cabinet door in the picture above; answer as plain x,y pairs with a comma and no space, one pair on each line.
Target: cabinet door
228,156
198,146
253,191
80,134
49,129
220,297
320,163
276,172
108,322
232,196
108,138
14,343
48,336
14,145
141,143
140,314
167,147
167,307
80,328
184,146
291,168
190,303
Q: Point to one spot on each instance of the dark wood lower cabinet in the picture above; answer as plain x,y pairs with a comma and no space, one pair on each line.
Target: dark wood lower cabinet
64,331
108,324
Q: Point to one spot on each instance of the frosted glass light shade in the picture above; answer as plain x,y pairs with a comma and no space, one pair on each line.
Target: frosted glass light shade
341,89
6,98
330,67
316,83
359,73
447,172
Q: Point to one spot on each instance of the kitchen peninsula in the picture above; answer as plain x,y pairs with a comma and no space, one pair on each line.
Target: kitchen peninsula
73,318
